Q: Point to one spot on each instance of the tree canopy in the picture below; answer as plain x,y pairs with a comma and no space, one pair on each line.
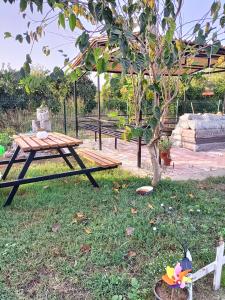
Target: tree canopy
42,87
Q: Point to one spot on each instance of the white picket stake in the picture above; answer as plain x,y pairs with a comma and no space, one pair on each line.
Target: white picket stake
215,267
218,266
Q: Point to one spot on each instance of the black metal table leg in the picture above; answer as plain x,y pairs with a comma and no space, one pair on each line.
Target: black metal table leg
65,158
82,165
21,175
9,166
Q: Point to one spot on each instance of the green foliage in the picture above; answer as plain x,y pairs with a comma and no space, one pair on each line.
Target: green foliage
165,144
31,91
193,93
6,137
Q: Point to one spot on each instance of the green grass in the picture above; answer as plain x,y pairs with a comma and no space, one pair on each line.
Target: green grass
38,263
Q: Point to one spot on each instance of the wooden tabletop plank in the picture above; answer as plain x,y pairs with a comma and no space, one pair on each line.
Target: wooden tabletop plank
31,142
23,145
59,142
65,140
41,142
51,143
77,141
28,139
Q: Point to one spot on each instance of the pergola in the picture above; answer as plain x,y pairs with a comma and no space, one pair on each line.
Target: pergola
190,65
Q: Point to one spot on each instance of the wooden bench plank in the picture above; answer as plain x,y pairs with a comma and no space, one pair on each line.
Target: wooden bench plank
98,158
103,157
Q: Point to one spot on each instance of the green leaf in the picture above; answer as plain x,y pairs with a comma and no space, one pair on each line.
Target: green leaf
147,135
215,47
170,32
91,7
101,65
75,75
137,131
107,15
19,38
23,5
83,41
200,39
28,38
72,21
222,21
215,10
196,28
99,11
153,122
26,68
97,53
156,112
62,20
7,35
28,59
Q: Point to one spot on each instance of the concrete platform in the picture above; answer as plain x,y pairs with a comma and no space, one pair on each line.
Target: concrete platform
186,164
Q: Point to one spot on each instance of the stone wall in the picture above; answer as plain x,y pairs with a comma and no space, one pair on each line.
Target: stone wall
200,132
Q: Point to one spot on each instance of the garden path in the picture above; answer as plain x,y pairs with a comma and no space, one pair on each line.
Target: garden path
185,165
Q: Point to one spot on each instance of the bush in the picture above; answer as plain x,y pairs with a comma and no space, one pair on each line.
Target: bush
6,137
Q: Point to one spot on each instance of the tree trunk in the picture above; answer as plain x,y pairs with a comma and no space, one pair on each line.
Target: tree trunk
154,156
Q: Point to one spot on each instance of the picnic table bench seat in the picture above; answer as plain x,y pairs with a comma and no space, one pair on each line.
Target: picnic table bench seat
98,158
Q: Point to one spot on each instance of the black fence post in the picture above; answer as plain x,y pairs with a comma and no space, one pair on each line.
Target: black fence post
75,108
64,116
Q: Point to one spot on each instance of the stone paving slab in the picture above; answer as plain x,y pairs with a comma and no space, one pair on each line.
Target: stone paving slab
186,164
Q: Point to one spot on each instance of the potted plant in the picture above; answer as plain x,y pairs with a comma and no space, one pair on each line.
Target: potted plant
173,285
164,150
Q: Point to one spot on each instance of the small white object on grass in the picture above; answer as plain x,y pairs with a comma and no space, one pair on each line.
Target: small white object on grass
144,190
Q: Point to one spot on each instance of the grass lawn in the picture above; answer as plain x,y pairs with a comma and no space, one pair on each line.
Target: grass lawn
63,239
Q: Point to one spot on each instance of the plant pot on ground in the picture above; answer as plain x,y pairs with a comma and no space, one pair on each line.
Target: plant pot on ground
164,150
163,292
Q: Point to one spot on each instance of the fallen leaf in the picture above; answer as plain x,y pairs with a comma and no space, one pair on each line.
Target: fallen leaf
134,210
150,206
115,209
85,248
173,197
191,195
152,221
131,253
129,231
79,217
45,187
87,230
56,227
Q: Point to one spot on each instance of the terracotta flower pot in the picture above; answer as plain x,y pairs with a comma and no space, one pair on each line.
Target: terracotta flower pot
163,292
165,156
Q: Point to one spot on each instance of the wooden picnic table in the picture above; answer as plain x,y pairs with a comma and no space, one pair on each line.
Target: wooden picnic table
30,144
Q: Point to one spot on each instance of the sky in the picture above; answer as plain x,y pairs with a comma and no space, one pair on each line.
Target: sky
13,53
